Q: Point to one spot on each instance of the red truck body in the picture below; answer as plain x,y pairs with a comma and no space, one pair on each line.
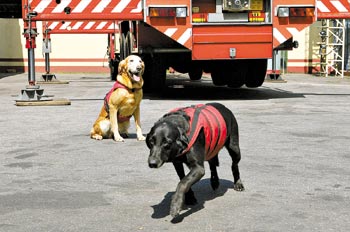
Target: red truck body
231,39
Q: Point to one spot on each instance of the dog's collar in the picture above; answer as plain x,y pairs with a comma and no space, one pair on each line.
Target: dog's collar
135,89
121,85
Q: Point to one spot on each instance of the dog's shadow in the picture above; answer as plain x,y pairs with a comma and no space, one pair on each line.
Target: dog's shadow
203,193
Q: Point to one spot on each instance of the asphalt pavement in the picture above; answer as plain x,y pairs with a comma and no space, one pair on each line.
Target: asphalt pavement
294,139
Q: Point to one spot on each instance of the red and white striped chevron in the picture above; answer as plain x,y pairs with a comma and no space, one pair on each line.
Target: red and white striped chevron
181,34
82,27
283,28
86,9
333,9
179,30
282,34
326,9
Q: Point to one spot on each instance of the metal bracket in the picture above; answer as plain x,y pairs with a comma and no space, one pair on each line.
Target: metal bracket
31,93
233,52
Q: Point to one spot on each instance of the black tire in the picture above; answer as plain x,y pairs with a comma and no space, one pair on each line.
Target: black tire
218,73
125,45
155,73
222,71
195,73
237,79
238,72
256,73
113,66
218,78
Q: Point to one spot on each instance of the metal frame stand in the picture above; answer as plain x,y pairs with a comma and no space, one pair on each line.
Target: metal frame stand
33,94
46,51
274,68
32,91
332,47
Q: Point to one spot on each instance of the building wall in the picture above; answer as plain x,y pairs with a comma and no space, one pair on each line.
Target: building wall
70,52
11,45
306,58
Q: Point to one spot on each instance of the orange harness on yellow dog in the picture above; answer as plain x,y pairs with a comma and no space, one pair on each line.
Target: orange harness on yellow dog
117,85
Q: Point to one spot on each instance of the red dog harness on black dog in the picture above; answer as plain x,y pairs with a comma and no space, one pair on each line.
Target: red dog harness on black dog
209,119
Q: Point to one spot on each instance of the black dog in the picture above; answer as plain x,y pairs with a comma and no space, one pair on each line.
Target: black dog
192,135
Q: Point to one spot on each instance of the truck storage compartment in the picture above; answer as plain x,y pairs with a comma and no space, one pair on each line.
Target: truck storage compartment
231,42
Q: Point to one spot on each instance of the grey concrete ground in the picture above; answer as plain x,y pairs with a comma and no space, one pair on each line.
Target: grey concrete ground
295,161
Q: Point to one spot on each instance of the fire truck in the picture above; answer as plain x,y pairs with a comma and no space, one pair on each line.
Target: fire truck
230,39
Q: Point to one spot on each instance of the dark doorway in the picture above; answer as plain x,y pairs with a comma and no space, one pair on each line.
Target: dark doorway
10,8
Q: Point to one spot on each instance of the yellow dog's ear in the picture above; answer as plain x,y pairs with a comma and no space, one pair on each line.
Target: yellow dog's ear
122,67
143,67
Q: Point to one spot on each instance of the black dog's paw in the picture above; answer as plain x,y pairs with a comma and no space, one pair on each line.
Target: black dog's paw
190,199
175,209
238,186
176,204
214,182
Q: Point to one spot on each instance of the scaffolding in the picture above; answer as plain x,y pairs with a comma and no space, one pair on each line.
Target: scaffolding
332,47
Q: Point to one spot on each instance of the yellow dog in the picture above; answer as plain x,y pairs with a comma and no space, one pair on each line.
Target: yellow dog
122,102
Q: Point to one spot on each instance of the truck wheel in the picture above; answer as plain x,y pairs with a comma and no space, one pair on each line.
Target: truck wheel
218,74
195,73
237,79
113,67
155,73
125,45
256,72
218,78
238,72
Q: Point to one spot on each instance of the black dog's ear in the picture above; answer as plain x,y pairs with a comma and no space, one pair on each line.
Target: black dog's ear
148,139
182,141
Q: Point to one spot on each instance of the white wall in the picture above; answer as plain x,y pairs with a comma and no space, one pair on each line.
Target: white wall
76,52
305,59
